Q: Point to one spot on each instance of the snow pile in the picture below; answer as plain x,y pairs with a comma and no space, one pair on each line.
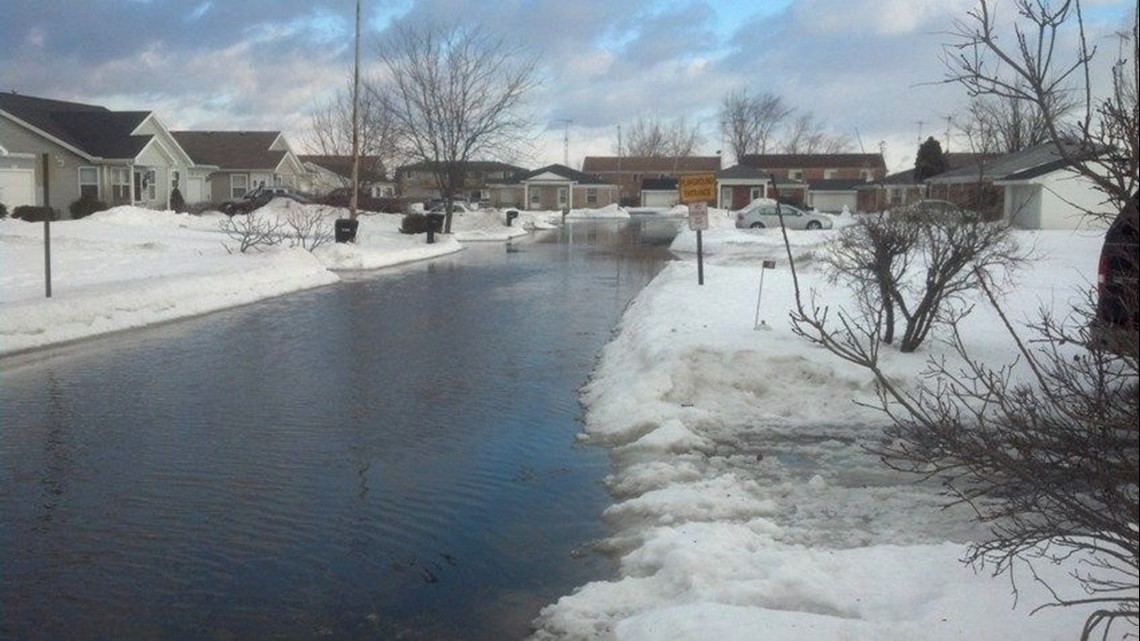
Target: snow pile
746,505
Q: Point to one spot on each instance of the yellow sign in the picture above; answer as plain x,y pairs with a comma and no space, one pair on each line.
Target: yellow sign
698,187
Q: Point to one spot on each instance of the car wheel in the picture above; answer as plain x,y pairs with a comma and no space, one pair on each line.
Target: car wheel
757,225
814,225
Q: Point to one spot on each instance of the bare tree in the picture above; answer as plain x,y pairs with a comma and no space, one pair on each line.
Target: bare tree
651,137
330,131
748,121
1045,453
1005,124
455,94
1099,139
808,136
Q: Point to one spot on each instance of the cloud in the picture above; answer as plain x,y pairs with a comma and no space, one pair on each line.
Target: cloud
872,67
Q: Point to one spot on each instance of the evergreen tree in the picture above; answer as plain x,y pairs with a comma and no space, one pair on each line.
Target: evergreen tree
930,161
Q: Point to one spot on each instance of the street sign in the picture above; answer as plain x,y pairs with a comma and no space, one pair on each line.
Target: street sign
698,216
698,187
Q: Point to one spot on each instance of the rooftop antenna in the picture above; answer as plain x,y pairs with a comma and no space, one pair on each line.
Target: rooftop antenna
920,123
859,139
565,140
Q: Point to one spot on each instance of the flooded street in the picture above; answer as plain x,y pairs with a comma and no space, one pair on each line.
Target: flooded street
390,457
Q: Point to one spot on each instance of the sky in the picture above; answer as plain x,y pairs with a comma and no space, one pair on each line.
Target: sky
745,505
870,70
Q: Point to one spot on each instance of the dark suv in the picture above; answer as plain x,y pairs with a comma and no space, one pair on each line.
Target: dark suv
1115,327
260,197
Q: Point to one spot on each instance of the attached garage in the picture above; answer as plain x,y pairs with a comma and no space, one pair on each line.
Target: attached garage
17,187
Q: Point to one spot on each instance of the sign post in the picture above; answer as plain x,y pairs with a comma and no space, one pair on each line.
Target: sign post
698,222
757,323
697,190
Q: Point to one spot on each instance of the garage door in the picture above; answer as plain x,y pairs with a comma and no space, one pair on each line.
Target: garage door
17,187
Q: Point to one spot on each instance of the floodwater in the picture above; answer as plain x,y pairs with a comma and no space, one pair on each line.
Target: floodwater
393,456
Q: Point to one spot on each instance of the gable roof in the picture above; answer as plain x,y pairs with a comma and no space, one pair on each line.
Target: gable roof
470,165
371,167
232,150
91,130
813,161
1008,165
643,164
572,175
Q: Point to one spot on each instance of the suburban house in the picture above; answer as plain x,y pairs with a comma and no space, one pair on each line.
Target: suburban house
630,172
327,172
900,188
826,182
119,157
560,187
1032,189
478,179
230,163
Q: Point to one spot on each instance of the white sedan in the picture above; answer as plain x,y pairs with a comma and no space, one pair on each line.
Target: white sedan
764,215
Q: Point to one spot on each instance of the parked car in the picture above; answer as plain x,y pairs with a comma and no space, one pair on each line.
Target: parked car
938,211
1115,326
260,197
764,215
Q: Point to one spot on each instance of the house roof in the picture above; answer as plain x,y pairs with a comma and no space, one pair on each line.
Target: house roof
470,165
572,175
835,185
232,150
644,164
1003,167
93,130
742,172
805,161
371,167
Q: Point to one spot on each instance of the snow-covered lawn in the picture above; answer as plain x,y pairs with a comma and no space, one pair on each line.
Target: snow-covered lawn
129,267
745,505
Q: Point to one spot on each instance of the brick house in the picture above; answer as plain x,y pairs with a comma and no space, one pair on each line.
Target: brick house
630,172
480,180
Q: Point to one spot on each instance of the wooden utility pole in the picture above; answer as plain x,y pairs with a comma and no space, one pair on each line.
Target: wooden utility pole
352,204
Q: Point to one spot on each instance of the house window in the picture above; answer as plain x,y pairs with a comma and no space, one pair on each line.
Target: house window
830,174
591,196
151,184
796,174
865,175
562,195
535,197
239,184
120,185
755,192
174,176
89,182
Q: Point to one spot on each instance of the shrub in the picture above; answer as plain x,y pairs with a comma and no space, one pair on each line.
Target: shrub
414,224
85,206
3,210
34,213
177,202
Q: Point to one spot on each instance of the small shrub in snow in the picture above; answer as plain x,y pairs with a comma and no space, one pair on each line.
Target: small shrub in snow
34,213
309,228
177,202
251,232
85,206
414,224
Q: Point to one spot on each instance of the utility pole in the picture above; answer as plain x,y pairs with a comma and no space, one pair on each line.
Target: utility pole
621,187
355,120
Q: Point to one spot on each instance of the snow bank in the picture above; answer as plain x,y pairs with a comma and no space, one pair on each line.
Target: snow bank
746,505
